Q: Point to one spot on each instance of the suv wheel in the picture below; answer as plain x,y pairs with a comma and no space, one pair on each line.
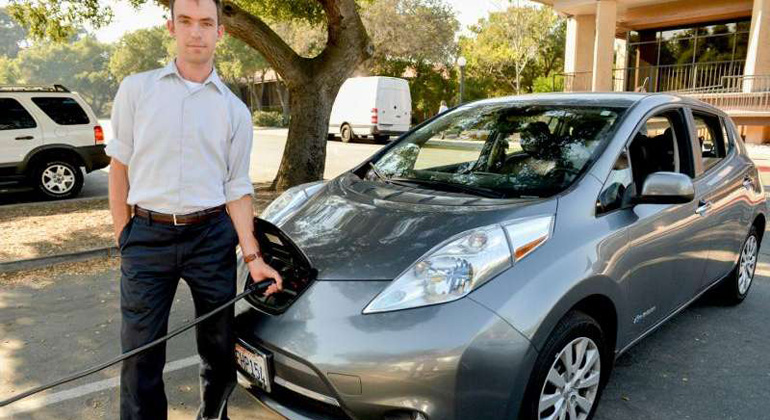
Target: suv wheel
58,179
570,372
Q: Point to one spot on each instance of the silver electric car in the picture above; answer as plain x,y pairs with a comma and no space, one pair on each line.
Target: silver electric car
493,262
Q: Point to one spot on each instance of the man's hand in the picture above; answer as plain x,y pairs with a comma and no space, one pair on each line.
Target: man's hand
259,271
117,232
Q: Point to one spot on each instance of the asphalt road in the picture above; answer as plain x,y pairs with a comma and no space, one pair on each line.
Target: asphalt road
709,362
266,156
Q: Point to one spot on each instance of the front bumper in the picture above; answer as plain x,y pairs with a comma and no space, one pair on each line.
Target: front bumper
452,361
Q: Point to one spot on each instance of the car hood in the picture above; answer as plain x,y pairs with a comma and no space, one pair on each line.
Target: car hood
363,230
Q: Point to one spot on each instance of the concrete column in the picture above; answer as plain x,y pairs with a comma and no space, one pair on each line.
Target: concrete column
758,54
578,52
757,134
606,17
621,62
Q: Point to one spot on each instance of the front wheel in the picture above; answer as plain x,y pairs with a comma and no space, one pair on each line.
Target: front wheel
58,179
735,287
570,372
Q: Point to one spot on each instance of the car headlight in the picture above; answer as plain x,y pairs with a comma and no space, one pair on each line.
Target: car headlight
463,263
289,202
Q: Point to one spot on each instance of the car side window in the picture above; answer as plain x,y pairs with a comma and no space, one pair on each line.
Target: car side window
660,145
63,111
13,116
712,139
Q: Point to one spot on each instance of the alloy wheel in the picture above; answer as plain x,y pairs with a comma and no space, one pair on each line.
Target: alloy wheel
748,264
58,179
572,383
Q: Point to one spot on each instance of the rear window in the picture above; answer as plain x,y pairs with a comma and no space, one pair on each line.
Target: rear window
63,111
13,116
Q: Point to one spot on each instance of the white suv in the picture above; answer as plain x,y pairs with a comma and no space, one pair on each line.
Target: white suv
47,133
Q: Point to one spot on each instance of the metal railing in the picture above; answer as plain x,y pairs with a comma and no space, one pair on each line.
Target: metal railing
676,77
733,93
668,78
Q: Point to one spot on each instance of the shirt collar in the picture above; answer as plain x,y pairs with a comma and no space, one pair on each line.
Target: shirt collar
213,78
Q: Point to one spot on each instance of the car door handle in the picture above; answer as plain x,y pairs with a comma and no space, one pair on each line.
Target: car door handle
703,207
25,138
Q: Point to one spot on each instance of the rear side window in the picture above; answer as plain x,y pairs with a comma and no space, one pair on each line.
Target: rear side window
13,116
63,111
711,139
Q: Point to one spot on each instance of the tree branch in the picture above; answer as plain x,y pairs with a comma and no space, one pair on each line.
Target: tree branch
258,35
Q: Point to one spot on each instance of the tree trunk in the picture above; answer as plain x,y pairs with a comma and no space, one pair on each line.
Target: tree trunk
304,158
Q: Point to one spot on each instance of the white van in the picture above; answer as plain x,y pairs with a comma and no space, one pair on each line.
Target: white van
378,106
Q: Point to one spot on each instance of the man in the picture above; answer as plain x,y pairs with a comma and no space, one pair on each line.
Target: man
180,161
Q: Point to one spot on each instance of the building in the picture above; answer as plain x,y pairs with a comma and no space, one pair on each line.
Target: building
715,50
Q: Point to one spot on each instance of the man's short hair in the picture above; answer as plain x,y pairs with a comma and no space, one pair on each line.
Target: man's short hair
218,3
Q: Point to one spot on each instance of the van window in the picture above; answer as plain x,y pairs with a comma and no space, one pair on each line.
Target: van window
13,116
711,138
63,111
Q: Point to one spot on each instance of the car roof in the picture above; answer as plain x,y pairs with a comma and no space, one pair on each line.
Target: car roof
606,99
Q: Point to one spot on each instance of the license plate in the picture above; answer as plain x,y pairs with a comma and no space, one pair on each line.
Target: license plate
255,364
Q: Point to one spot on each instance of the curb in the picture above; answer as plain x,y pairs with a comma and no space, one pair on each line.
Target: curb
48,203
32,263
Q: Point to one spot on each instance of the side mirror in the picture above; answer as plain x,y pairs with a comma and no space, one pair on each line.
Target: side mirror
667,188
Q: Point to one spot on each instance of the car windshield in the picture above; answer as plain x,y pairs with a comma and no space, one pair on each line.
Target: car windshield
499,150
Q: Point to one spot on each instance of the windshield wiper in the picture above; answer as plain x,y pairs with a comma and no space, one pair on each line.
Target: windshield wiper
379,175
450,186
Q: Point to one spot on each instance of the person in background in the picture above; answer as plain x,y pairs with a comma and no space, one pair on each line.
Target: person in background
443,108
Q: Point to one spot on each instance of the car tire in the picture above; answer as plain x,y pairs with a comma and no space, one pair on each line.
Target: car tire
58,179
346,133
735,287
577,387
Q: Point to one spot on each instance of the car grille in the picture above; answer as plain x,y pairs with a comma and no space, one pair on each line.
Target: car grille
280,252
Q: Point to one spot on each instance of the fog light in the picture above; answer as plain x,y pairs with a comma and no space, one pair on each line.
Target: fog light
419,416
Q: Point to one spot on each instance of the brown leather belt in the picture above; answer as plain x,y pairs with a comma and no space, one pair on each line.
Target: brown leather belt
179,219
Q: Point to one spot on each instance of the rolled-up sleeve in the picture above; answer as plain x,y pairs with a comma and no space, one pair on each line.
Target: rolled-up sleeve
121,145
238,183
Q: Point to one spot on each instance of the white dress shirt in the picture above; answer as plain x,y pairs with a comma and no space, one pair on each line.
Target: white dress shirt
187,148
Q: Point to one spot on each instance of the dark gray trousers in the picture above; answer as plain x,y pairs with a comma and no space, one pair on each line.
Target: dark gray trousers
154,257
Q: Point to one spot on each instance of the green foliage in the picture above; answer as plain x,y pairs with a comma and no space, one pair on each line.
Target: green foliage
141,50
509,49
235,60
268,119
81,66
412,31
9,71
11,35
543,84
416,39
59,20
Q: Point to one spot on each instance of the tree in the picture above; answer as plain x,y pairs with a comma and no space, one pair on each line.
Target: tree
11,35
417,38
236,63
81,66
507,43
141,50
9,72
313,83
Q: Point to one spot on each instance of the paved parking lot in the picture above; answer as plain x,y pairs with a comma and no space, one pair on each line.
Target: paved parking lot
709,362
